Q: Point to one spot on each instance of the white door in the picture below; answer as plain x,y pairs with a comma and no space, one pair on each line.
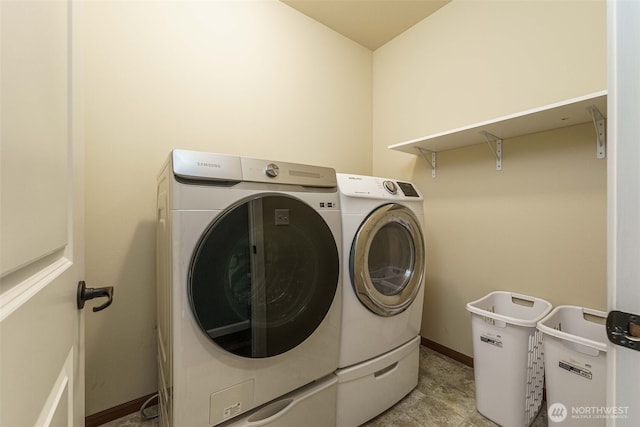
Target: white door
623,388
41,246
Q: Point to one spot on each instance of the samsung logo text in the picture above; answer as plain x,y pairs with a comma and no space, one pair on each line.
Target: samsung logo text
209,165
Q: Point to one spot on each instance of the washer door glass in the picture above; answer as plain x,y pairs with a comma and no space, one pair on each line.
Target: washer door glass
264,276
387,261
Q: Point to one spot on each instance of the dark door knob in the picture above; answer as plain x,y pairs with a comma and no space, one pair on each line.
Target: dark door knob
624,329
85,294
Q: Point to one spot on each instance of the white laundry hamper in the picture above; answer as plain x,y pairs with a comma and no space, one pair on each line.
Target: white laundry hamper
507,356
575,355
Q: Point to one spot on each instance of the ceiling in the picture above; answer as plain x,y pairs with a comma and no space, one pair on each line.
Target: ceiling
371,23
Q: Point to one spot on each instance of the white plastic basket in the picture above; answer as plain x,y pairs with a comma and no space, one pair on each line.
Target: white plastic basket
507,356
575,354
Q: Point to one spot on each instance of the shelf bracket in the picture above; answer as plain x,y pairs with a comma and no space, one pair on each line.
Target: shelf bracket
601,135
497,151
429,159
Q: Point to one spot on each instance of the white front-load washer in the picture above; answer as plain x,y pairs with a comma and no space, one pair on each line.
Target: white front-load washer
249,287
383,290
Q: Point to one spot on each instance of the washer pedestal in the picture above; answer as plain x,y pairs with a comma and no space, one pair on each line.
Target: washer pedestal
311,406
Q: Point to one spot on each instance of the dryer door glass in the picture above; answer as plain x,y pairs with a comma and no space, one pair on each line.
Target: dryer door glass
391,258
387,260
264,276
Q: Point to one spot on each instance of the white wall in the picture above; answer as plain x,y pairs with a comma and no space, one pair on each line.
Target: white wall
475,60
538,227
254,78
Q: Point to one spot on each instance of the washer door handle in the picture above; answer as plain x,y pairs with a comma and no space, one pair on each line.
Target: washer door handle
85,294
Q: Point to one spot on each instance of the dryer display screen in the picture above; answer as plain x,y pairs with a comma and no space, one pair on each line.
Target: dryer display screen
408,189
264,276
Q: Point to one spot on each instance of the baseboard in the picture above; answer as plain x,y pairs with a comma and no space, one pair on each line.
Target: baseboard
119,411
452,354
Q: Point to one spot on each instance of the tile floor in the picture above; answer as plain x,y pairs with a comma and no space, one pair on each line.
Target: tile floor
445,396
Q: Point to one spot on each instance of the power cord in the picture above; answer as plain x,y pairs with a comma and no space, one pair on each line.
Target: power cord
144,415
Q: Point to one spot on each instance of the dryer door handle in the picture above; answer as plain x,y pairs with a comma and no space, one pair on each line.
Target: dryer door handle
85,294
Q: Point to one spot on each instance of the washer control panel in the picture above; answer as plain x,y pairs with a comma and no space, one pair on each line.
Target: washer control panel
200,166
272,170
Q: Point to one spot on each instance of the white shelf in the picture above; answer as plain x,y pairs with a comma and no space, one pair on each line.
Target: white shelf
562,114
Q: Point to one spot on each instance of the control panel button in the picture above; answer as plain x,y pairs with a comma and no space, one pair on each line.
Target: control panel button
272,170
390,186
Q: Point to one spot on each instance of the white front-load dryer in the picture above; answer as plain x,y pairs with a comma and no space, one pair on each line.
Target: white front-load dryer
383,291
249,285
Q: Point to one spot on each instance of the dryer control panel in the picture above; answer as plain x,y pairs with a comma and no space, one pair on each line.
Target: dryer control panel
378,188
